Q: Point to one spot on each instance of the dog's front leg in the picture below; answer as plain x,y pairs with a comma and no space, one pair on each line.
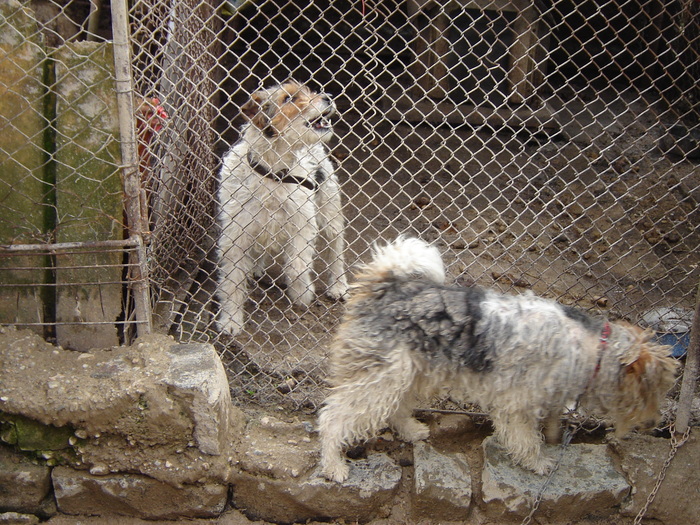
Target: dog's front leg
331,226
333,259
235,267
521,437
299,258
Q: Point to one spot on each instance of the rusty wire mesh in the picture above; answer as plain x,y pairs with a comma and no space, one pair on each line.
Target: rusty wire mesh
65,260
548,145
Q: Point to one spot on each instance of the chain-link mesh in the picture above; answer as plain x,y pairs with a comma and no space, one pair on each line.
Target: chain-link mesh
66,259
547,145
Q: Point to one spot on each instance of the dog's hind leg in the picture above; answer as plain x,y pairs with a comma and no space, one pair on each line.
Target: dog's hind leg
406,426
358,409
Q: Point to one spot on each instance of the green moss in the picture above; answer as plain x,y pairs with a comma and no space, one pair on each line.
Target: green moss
30,435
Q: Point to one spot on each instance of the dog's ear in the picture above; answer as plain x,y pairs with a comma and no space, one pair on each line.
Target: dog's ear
638,367
253,111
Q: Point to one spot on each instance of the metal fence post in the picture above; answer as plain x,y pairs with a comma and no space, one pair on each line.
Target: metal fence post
690,373
137,224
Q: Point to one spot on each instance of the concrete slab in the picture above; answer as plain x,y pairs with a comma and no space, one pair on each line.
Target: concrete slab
367,494
585,482
89,196
442,484
81,493
25,182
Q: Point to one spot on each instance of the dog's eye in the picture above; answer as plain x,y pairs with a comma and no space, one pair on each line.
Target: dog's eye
288,99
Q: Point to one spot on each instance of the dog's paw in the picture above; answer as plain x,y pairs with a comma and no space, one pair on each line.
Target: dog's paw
338,292
412,430
301,294
541,465
336,471
230,324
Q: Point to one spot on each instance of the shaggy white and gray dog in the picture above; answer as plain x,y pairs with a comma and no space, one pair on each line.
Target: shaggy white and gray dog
406,335
279,195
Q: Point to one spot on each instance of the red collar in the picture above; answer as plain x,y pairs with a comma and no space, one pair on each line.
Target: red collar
604,335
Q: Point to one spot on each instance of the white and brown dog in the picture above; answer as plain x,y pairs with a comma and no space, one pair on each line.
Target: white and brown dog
522,358
279,195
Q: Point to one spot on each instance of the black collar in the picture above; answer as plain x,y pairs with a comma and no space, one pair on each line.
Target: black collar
280,176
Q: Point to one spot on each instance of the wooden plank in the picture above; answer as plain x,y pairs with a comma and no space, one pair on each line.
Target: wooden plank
89,196
432,46
24,189
426,110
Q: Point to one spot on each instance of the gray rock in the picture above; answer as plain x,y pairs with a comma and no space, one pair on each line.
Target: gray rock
81,493
15,518
443,485
23,484
155,407
367,494
586,481
678,499
195,370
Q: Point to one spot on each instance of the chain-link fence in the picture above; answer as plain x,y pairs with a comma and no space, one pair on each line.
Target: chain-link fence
547,145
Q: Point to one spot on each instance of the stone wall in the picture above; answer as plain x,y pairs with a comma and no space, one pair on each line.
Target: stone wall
150,431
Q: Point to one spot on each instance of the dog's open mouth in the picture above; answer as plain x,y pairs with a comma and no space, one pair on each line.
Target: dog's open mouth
321,123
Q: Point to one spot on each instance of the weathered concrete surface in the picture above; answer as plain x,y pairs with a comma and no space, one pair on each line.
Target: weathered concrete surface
586,482
200,374
16,518
278,479
229,517
367,494
277,448
23,185
24,485
678,499
443,484
130,408
89,195
81,493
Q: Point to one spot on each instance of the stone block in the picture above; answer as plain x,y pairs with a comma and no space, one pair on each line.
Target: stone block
23,485
89,196
25,183
585,482
133,409
678,499
279,449
443,484
367,494
196,372
81,493
15,518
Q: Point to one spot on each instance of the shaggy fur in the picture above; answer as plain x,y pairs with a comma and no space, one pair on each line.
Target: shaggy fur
522,358
279,195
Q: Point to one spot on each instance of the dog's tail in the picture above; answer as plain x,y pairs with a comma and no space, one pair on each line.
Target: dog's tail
405,258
